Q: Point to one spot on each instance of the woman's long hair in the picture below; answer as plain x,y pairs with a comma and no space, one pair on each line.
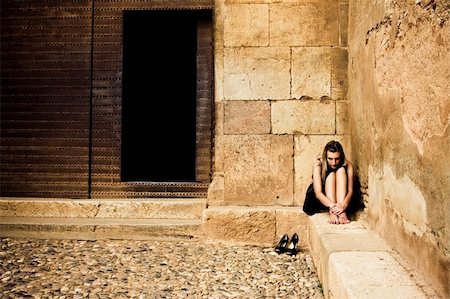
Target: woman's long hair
334,147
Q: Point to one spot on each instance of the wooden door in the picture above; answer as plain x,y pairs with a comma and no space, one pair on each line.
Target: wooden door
61,93
45,93
108,75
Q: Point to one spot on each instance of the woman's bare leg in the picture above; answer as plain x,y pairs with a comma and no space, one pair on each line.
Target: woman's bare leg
341,192
330,192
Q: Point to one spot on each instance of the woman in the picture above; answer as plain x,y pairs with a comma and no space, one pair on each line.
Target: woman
332,187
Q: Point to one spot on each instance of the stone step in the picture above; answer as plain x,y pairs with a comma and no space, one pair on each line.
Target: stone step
143,208
353,262
100,228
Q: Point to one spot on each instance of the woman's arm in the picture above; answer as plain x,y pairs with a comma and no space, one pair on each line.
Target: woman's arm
317,184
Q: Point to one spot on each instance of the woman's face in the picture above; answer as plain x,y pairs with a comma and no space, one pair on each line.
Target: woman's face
333,159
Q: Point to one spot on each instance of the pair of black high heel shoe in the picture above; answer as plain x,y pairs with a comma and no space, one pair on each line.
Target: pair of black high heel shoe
286,245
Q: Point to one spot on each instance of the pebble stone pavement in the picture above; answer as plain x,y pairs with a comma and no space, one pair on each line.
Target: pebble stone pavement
34,268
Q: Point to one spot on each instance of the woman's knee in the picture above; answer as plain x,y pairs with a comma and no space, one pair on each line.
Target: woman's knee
341,176
331,179
341,171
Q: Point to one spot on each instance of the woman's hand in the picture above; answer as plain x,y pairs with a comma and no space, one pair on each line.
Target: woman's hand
317,163
338,208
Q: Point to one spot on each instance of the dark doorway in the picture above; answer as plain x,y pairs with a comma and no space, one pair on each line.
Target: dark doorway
159,95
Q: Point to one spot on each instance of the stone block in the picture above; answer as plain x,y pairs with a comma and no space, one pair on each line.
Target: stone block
182,208
219,116
339,83
342,118
369,275
99,228
218,163
218,133
303,117
343,24
311,72
317,227
280,1
215,190
258,169
307,148
247,117
304,24
256,73
246,25
292,220
240,225
326,239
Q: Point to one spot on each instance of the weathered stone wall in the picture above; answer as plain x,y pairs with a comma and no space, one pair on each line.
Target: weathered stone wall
399,70
281,86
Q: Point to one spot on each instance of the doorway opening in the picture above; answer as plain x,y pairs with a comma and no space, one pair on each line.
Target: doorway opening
159,139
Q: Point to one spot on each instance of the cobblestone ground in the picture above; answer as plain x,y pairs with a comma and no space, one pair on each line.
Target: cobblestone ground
151,269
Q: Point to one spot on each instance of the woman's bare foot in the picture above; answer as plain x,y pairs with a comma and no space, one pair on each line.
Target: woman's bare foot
334,219
343,219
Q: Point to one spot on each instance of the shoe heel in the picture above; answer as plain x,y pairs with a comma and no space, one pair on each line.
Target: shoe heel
292,246
281,246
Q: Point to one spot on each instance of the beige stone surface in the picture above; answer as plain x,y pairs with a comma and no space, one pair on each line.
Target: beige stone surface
319,231
257,73
229,224
218,133
307,148
342,118
182,208
401,195
216,189
219,12
247,117
354,262
100,228
304,24
370,275
303,117
339,80
311,72
292,220
246,25
400,117
281,1
343,23
240,225
258,169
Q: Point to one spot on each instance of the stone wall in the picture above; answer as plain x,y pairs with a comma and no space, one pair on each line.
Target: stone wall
281,86
399,70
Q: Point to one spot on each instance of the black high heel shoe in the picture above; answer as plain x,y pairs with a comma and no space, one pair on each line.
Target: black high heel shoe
281,247
292,246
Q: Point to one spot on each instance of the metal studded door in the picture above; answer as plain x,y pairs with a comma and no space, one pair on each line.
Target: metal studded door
45,91
61,100
205,102
107,103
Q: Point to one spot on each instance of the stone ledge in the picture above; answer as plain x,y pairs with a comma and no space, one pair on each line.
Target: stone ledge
145,208
257,225
99,228
354,262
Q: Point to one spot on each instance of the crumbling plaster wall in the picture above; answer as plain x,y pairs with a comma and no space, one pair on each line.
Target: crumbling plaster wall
399,74
280,92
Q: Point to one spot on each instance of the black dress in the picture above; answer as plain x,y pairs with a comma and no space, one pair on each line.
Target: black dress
312,205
